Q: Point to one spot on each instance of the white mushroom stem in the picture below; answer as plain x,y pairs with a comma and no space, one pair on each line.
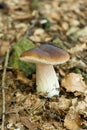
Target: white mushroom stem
46,80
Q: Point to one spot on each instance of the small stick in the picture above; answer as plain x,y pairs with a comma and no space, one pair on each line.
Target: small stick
3,89
30,29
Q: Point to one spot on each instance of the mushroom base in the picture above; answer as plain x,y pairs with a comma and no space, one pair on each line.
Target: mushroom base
46,80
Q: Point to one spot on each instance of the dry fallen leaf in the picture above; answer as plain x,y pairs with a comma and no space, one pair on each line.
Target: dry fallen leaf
79,106
77,48
13,119
82,107
62,104
4,46
40,35
74,82
21,17
26,122
72,120
20,76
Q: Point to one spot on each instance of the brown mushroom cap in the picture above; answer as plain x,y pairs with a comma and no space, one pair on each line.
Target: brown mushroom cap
46,54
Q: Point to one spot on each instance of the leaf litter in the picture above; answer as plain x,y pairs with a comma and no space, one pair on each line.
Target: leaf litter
64,24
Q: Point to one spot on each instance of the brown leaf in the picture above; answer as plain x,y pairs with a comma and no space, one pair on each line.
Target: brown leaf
21,77
74,82
26,122
63,104
21,16
4,46
72,121
82,107
77,48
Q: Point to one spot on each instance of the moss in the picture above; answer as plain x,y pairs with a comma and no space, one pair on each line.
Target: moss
17,50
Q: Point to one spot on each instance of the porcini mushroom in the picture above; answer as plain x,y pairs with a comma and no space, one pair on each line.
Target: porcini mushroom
45,56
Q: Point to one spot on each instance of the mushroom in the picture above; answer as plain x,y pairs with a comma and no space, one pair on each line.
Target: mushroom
45,56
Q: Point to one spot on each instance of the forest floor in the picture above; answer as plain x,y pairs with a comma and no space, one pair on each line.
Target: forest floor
62,23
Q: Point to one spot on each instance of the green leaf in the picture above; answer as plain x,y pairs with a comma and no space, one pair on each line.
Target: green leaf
17,50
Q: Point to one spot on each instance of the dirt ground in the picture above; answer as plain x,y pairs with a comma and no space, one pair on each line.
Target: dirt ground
59,22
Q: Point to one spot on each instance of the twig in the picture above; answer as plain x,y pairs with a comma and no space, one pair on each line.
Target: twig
3,89
30,29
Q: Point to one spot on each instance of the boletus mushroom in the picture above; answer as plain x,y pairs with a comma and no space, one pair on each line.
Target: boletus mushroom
45,56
